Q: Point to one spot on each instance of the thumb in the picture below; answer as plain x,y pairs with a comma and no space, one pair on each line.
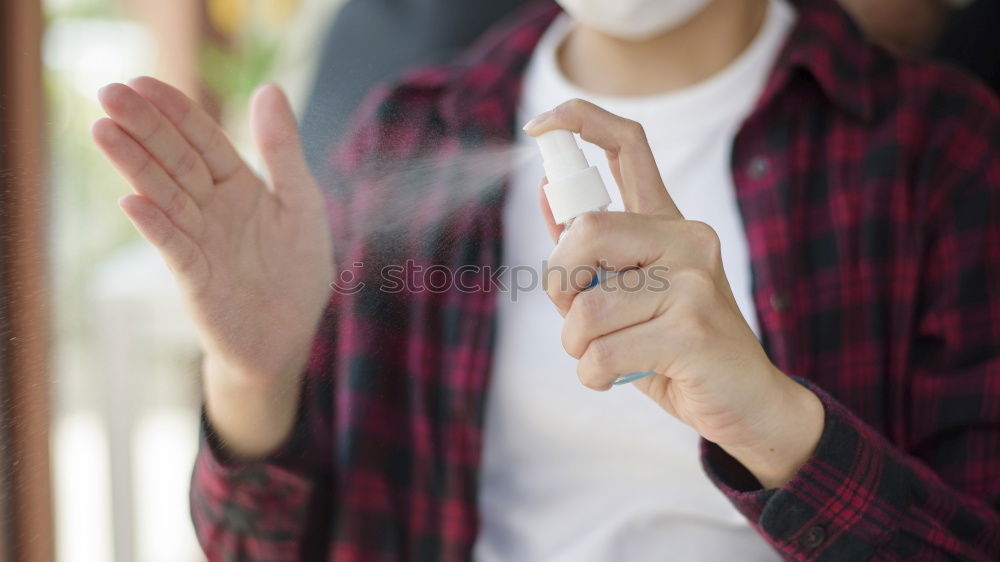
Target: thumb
276,135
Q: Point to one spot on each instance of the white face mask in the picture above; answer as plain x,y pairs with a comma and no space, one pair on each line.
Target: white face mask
633,19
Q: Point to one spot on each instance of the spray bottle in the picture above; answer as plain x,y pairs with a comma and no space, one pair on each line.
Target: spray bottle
574,188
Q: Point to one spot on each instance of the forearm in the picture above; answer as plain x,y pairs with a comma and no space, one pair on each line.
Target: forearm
251,417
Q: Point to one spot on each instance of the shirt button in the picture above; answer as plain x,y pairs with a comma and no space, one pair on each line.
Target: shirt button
780,301
758,167
813,537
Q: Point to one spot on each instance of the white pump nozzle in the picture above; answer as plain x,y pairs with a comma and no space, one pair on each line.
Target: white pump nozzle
575,187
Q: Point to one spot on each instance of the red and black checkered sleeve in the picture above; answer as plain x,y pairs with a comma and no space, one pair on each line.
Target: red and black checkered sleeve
926,483
248,510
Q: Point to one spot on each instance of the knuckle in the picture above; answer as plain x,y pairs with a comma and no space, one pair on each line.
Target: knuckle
177,204
590,225
703,236
214,140
153,130
554,286
709,247
570,106
714,264
588,307
635,131
600,354
589,377
571,342
187,261
165,238
144,171
185,163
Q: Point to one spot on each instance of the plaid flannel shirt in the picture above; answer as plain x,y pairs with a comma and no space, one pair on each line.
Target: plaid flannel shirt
870,193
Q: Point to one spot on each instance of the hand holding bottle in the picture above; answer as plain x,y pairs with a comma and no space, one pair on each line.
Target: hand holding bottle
710,370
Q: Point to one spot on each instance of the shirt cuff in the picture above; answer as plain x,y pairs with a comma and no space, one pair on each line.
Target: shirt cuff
217,475
289,453
840,502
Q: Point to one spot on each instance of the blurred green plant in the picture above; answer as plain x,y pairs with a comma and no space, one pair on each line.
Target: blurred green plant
86,225
243,53
231,74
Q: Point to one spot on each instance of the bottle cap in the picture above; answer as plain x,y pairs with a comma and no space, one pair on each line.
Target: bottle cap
574,186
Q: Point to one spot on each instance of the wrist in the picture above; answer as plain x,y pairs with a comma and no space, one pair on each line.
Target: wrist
251,415
261,373
790,438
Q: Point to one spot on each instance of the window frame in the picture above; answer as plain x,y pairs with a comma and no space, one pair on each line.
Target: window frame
26,528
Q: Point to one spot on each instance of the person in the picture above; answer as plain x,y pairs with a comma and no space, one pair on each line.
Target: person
826,353
903,26
958,32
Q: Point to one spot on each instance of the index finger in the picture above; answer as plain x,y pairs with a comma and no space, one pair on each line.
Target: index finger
613,241
623,140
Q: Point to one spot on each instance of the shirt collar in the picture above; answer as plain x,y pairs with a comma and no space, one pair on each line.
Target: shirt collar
488,78
484,89
827,45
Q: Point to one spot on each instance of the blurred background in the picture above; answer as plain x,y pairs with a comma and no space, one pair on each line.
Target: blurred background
98,365
125,362
122,359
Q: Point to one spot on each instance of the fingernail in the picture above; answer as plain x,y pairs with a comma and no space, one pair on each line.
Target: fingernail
538,120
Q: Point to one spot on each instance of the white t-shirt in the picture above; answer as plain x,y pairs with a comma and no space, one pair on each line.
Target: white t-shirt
570,474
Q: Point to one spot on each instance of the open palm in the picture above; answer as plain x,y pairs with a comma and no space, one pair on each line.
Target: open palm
253,259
